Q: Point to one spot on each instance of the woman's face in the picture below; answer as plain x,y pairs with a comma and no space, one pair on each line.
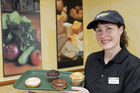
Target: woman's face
108,35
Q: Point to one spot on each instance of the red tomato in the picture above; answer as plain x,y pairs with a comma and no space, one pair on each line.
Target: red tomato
38,35
36,57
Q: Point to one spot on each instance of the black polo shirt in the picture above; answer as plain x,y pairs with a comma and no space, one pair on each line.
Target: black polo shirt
120,75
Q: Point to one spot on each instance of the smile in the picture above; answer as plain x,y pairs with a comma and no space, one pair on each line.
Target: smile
105,41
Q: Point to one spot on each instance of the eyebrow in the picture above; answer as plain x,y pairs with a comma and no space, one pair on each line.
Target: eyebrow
105,26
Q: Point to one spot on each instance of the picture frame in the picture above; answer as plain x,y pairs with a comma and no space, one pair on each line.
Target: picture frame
69,15
21,36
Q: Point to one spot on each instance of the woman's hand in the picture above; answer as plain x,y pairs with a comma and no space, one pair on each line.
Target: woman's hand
77,90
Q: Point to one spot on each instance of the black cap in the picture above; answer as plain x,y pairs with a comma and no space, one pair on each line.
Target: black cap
110,16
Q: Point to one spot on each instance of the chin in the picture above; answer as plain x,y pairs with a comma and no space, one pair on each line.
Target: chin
106,47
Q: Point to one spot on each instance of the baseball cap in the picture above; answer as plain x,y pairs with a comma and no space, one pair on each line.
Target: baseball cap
110,16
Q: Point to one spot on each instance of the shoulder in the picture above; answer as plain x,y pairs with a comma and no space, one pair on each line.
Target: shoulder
95,54
133,63
129,58
133,60
93,57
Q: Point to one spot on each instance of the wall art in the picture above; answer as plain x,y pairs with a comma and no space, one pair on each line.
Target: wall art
69,15
21,36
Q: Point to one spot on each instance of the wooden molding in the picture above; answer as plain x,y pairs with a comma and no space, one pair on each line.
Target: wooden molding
77,70
4,83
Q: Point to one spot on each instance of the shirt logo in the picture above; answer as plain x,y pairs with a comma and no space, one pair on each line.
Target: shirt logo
101,15
113,80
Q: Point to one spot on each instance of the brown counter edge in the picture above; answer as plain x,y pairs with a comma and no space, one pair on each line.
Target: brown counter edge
77,70
9,82
4,83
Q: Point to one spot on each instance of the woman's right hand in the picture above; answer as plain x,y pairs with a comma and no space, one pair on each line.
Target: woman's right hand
77,90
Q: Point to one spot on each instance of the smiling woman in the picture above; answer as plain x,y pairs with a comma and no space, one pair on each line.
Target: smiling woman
114,69
109,68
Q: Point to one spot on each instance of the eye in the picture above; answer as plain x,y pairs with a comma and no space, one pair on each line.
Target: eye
98,30
109,28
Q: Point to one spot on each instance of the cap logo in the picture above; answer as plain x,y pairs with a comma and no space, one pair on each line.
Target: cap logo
101,15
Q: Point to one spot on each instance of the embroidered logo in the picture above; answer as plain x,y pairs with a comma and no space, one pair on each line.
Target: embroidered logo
102,15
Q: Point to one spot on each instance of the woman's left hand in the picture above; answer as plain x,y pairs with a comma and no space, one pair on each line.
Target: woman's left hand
77,90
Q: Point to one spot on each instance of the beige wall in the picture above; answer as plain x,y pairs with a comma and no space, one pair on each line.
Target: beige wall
128,8
130,11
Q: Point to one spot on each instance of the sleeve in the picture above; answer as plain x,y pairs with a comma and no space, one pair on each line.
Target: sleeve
132,81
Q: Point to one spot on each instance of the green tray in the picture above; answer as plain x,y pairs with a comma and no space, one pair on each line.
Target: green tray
45,85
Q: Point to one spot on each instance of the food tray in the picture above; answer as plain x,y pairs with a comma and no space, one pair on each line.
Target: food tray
45,85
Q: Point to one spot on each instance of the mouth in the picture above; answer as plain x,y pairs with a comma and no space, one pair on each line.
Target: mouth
105,41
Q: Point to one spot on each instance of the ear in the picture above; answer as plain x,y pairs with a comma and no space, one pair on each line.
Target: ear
121,29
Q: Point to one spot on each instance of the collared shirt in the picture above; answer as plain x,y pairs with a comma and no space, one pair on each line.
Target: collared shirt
120,75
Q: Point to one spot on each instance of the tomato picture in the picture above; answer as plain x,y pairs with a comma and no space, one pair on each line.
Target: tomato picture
38,35
36,57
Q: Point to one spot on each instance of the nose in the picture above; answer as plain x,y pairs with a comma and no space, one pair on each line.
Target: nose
103,32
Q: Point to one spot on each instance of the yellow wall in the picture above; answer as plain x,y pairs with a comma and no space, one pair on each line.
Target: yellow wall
130,11
128,8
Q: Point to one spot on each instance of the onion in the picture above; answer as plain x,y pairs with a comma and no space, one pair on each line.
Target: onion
11,51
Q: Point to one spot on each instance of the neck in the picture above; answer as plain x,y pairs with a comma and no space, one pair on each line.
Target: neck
110,54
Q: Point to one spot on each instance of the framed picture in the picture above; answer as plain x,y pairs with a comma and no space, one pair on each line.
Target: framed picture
69,15
21,36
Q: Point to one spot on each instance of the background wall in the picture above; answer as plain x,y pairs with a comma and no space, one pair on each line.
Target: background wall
128,8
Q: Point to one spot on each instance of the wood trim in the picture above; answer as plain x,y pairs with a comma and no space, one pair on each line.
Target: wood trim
9,82
77,70
4,83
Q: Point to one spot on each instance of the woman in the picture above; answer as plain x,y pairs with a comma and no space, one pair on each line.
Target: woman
114,69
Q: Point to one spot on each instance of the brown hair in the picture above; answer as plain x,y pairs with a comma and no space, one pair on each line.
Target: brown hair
124,38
